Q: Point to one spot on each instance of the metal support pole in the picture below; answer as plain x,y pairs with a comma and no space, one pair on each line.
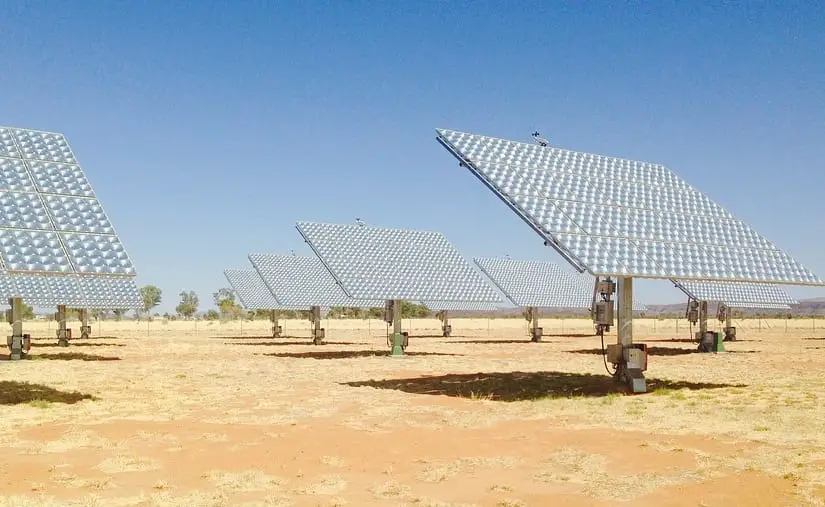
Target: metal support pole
446,328
535,330
398,342
276,329
317,330
85,328
633,358
15,318
730,331
62,334
703,320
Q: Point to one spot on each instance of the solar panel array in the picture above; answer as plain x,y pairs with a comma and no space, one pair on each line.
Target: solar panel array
541,284
739,295
303,280
622,217
57,246
385,263
253,293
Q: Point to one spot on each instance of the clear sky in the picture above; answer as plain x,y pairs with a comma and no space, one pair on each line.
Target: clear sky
208,128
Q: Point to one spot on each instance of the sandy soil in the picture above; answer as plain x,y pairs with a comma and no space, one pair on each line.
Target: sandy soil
190,417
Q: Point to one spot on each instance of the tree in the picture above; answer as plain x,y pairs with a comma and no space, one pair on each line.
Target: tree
188,304
212,315
27,313
150,295
225,301
119,313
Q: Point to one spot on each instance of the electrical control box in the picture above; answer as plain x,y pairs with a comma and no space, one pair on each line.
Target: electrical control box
635,358
606,287
603,316
388,306
614,353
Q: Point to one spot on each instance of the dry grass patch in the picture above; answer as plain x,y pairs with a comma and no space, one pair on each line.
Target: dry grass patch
440,472
247,480
328,485
127,463
390,490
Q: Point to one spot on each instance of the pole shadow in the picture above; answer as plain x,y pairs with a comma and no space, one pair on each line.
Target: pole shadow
36,345
524,386
349,354
666,340
72,356
15,393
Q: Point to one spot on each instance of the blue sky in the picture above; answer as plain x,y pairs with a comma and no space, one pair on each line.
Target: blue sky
208,128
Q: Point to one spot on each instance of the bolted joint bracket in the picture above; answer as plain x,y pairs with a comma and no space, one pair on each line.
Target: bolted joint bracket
19,346
276,331
536,334
318,336
446,330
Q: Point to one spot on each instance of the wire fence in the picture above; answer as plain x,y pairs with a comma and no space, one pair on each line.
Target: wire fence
421,327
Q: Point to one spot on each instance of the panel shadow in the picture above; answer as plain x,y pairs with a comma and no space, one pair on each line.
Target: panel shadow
308,341
36,345
523,386
15,393
72,356
349,354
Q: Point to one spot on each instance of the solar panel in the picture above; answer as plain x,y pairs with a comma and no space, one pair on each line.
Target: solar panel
253,293
620,217
740,294
541,284
760,306
460,306
303,280
384,263
122,292
50,219
74,291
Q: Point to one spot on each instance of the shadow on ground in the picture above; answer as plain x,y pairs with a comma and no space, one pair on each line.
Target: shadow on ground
495,342
283,337
73,356
36,345
523,386
15,393
308,341
814,338
664,351
350,354
651,351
